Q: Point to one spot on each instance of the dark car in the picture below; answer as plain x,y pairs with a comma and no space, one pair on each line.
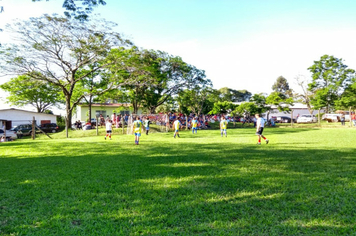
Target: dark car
284,119
25,129
50,127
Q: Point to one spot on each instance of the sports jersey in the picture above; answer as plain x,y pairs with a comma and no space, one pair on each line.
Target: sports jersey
194,123
223,124
137,126
176,124
147,123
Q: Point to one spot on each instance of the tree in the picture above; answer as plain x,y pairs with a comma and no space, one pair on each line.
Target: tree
330,78
306,95
278,99
223,107
158,76
197,100
54,50
281,86
260,101
79,12
25,91
348,98
231,95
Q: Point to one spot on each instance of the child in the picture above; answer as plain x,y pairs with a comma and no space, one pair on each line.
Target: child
136,127
260,123
223,127
176,126
195,125
147,124
108,129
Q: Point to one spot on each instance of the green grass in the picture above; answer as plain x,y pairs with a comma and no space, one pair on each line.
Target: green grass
302,183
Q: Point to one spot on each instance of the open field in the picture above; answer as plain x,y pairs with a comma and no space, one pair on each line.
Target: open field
302,183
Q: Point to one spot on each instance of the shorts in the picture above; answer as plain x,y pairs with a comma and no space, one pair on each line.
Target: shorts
177,130
147,128
109,131
223,130
195,127
138,134
259,131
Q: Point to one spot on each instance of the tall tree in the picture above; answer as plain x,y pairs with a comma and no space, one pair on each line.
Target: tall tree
281,86
79,12
330,78
348,98
25,91
54,49
232,95
306,95
198,100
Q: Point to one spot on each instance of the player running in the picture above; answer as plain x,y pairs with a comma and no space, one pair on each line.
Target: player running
108,125
195,125
260,124
176,126
223,126
137,126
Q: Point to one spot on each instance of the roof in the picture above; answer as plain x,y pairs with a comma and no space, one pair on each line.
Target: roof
106,105
15,109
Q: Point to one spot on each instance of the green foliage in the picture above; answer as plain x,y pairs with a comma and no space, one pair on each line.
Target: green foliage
247,107
280,100
330,78
223,107
232,95
197,100
26,91
348,98
282,86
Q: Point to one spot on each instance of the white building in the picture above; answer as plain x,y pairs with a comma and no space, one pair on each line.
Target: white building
15,117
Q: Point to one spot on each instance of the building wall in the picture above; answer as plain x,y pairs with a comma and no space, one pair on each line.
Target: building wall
82,111
18,117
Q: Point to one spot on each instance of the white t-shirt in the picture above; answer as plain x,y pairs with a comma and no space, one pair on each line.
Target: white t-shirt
108,126
260,122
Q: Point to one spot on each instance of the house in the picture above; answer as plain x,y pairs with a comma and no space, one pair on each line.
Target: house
298,109
105,109
16,117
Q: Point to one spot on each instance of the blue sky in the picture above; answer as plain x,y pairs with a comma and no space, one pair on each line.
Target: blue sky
240,44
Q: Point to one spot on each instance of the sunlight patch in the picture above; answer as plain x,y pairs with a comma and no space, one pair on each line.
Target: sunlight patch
184,164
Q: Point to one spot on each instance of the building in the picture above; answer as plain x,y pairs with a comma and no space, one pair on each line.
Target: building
15,117
105,109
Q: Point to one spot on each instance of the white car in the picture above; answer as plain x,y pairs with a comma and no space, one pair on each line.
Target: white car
306,119
331,117
9,134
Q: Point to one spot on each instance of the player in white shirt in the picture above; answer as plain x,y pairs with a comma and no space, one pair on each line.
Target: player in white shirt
108,129
260,124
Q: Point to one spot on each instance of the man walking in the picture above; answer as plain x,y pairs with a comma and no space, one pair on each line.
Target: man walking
260,124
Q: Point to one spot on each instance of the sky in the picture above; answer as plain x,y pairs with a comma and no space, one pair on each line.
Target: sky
239,44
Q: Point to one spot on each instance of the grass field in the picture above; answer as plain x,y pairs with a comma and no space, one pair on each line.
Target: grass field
302,183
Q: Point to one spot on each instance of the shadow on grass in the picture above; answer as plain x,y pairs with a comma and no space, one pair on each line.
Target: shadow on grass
176,189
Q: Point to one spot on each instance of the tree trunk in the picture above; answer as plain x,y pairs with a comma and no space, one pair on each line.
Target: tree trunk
90,102
69,114
153,110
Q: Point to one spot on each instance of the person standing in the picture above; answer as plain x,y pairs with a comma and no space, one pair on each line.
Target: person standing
137,126
176,126
108,129
353,118
223,126
194,125
342,118
147,124
260,123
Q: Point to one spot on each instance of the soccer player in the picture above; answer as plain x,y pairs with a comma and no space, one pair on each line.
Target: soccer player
108,125
176,126
137,126
223,126
194,125
147,124
260,124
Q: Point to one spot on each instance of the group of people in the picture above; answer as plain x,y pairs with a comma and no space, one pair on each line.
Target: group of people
139,126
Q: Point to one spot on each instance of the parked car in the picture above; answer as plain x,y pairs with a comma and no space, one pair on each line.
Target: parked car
331,117
10,135
50,127
307,119
25,129
284,119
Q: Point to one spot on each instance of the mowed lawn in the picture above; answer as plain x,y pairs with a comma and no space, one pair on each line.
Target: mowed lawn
302,183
